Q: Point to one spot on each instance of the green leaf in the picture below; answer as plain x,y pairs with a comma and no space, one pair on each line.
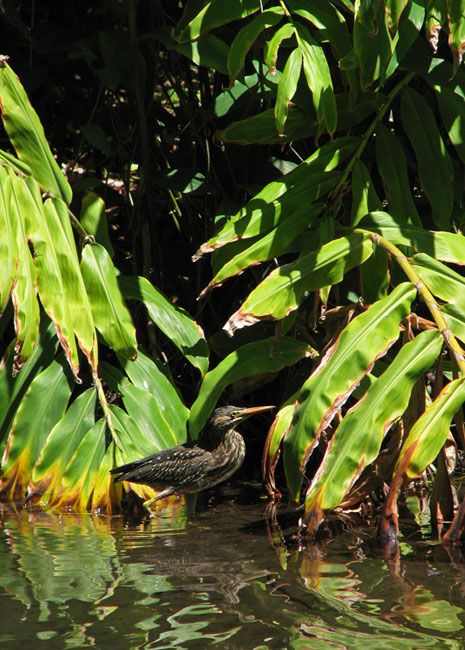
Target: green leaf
272,46
111,315
246,37
42,407
27,135
452,108
372,43
444,246
394,9
325,17
251,359
443,282
357,440
51,262
60,447
364,196
8,244
193,22
80,475
434,165
429,433
287,87
24,290
282,291
94,221
457,29
293,191
392,166
273,244
151,376
318,77
173,321
361,343
150,417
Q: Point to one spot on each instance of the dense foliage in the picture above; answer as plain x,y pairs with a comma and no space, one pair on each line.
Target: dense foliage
316,151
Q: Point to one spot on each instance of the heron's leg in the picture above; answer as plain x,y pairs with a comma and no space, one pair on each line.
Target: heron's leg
166,493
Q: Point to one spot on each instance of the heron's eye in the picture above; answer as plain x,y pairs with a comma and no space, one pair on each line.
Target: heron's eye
234,414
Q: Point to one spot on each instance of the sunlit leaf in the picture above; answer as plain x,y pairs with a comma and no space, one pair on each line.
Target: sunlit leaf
27,135
60,446
272,46
282,291
246,37
287,87
457,29
8,244
94,221
444,246
173,321
111,315
267,355
357,440
429,432
372,43
197,20
293,191
361,343
41,408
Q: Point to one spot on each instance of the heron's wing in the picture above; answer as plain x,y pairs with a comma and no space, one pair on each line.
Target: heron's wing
173,466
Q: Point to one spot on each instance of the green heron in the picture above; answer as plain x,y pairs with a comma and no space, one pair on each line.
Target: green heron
194,466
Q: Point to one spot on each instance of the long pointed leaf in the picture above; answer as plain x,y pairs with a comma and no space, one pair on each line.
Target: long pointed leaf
27,135
429,432
60,446
361,343
250,359
173,321
111,315
357,440
42,407
283,290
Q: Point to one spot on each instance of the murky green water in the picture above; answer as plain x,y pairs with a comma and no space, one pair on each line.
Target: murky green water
229,577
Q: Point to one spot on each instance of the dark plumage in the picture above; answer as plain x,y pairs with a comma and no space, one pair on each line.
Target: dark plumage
194,466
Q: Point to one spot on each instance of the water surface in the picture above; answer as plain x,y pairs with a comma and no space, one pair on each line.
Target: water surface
233,576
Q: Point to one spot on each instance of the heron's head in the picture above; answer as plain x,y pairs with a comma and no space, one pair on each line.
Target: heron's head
225,418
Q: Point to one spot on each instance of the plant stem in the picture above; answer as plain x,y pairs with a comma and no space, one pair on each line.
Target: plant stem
425,293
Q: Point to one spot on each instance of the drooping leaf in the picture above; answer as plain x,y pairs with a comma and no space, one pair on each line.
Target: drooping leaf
270,54
429,432
80,475
197,20
254,358
444,246
51,263
293,191
282,291
173,321
111,315
151,376
360,344
42,407
372,42
93,220
8,244
27,135
434,165
247,36
45,484
452,108
287,87
357,440
24,296
318,78
274,243
442,281
456,17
